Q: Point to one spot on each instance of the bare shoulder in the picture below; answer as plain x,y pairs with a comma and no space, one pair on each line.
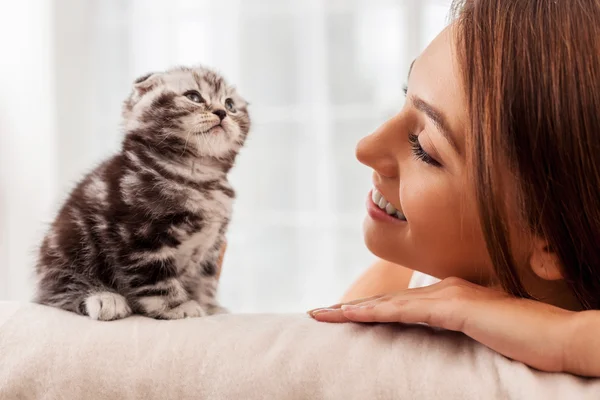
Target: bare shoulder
381,277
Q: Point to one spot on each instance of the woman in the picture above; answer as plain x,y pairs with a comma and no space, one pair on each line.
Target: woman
489,179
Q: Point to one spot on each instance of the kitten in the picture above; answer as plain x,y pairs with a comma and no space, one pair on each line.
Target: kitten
142,232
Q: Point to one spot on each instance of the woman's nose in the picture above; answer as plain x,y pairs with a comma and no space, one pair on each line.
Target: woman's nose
377,152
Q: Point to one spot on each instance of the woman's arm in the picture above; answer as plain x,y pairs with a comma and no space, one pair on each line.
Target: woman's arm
220,262
538,334
582,353
382,277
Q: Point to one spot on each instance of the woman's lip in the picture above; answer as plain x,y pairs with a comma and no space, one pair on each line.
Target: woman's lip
378,214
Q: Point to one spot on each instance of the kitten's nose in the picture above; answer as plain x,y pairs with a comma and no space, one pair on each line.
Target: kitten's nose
220,113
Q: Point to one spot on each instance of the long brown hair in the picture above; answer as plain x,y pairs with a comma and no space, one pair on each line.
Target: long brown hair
531,69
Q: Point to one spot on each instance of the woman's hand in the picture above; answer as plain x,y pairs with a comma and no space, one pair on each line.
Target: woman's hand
534,333
220,261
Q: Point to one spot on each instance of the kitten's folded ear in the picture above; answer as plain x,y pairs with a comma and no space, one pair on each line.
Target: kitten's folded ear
146,83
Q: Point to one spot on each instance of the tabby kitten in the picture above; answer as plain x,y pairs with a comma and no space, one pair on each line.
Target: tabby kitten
142,232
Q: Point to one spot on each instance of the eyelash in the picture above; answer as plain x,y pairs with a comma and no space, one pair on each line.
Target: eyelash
419,153
413,139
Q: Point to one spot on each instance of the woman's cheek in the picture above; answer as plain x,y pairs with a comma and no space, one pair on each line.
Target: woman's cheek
421,200
444,232
433,217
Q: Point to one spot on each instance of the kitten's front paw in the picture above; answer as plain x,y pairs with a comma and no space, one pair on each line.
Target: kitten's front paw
189,309
107,306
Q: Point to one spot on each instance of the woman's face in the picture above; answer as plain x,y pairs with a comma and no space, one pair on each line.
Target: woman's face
418,162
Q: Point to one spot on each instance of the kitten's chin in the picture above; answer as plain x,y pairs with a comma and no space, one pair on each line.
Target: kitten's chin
216,130
215,143
211,130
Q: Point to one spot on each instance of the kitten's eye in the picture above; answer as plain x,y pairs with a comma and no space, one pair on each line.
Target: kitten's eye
194,96
229,105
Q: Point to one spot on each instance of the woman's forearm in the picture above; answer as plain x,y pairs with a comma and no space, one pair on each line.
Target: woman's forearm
582,351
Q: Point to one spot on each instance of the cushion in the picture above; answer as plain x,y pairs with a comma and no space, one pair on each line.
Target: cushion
52,354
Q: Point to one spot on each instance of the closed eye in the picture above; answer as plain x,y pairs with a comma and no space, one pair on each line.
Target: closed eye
419,152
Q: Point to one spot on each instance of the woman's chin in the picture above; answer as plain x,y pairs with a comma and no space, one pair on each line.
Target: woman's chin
382,244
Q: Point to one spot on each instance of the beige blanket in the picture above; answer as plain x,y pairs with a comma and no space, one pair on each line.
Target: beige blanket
50,354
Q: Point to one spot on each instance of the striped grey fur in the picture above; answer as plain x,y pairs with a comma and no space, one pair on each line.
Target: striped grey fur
142,232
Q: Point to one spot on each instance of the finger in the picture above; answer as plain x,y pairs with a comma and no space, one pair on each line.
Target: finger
437,290
338,306
337,315
434,312
330,315
405,294
387,311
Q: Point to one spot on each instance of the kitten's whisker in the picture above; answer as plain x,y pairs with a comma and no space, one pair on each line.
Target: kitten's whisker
165,136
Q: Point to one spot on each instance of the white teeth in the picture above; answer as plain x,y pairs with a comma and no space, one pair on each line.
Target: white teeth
376,196
390,209
385,205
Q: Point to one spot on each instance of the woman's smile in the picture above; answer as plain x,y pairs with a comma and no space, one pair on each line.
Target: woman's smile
380,209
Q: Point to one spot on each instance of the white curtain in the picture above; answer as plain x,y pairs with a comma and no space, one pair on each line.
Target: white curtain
319,74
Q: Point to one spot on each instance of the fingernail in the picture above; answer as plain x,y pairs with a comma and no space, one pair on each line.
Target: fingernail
320,311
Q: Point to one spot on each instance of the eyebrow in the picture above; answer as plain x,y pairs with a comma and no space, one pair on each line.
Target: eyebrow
438,119
434,115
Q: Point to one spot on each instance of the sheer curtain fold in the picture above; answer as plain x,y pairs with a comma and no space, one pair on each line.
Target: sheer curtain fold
28,154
